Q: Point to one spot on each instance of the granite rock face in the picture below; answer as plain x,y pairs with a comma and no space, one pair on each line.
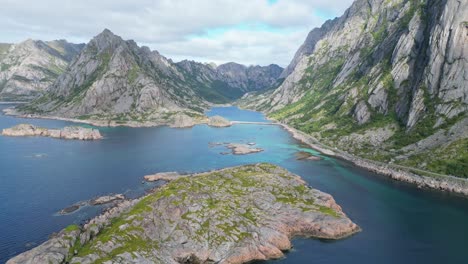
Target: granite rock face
401,63
29,67
26,130
234,215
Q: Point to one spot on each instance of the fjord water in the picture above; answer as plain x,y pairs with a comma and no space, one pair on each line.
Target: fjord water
40,176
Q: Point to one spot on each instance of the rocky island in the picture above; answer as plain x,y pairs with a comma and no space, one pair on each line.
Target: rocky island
218,121
74,132
242,149
233,215
186,121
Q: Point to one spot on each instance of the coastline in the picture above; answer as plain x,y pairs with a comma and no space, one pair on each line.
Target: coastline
436,181
112,123
307,212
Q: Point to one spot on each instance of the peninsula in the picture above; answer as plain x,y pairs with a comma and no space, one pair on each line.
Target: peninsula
233,215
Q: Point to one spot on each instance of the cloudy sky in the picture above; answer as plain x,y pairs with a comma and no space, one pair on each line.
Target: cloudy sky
248,31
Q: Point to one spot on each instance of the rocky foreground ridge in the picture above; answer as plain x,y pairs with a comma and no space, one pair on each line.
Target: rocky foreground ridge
386,81
74,132
234,215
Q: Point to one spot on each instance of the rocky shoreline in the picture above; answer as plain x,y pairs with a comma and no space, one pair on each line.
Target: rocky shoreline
179,121
213,217
443,183
163,176
103,200
27,130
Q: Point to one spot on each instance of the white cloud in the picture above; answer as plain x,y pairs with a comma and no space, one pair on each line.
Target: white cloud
176,28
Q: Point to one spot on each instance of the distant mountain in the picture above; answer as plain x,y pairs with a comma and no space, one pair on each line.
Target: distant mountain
230,81
28,68
388,81
114,79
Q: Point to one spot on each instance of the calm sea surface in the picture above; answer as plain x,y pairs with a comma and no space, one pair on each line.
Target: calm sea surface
40,176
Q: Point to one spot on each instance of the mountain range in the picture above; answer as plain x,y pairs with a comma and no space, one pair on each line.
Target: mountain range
115,79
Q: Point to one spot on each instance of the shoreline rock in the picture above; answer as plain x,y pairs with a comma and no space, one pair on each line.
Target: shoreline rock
75,132
442,183
163,176
106,199
216,217
218,121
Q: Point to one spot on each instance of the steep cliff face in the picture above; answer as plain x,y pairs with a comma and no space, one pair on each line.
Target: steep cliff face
229,81
398,66
115,79
28,68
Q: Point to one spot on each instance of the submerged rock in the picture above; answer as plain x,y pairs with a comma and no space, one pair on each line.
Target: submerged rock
106,199
75,132
69,209
302,155
234,215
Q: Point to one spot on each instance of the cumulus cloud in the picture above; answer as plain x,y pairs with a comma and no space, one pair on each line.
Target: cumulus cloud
249,32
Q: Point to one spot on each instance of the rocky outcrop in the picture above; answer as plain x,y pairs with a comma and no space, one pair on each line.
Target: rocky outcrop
26,130
163,176
182,120
103,200
218,121
361,113
234,215
29,67
242,149
400,64
106,199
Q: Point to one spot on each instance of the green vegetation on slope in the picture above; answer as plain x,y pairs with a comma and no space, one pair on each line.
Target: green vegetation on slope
326,108
225,210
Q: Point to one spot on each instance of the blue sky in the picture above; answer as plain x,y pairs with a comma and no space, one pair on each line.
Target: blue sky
248,32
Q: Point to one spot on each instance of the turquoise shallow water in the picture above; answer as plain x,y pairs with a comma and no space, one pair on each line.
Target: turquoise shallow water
39,176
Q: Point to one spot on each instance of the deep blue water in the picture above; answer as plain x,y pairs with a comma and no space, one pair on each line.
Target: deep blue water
39,176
